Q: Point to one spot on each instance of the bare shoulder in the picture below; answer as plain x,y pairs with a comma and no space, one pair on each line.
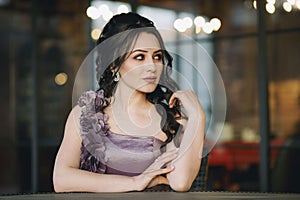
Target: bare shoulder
72,127
76,111
69,151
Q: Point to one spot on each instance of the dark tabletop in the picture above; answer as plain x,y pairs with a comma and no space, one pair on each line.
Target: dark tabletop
153,196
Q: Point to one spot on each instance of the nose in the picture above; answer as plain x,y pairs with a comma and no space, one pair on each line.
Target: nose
150,64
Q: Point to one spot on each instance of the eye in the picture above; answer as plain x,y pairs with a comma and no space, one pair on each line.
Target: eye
158,57
139,57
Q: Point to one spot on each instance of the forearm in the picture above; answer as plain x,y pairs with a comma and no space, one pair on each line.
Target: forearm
188,162
77,180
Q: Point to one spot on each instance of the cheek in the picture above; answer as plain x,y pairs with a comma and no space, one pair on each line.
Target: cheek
125,68
129,72
159,70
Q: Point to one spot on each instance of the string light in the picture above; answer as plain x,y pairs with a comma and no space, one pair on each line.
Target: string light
104,11
188,22
103,8
92,12
271,1
179,25
200,23
216,24
270,8
96,33
208,28
297,4
255,4
123,9
107,15
287,5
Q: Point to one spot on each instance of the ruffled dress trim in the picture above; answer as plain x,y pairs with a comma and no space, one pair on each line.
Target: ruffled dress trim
94,125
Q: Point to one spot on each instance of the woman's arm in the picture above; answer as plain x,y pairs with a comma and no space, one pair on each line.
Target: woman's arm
188,162
67,177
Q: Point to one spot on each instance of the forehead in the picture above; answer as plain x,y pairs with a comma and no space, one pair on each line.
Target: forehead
146,41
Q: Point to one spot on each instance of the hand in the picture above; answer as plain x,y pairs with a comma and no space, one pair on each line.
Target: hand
158,180
189,101
151,176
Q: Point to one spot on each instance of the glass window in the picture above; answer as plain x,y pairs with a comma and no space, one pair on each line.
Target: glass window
66,32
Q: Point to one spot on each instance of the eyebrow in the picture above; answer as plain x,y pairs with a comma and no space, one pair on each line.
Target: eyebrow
145,51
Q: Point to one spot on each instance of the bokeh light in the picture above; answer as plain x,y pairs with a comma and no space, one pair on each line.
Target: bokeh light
61,78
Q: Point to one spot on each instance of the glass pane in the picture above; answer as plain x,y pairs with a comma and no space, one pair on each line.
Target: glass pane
237,17
234,162
64,35
15,119
61,46
238,67
284,97
283,60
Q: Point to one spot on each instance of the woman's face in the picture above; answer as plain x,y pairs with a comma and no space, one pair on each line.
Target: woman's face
142,69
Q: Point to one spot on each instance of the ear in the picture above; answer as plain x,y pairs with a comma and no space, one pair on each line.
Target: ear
114,69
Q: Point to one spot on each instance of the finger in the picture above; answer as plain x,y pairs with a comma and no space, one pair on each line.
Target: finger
158,180
161,171
162,160
172,100
153,182
163,180
175,99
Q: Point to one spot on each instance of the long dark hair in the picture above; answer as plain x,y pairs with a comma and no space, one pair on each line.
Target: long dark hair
113,51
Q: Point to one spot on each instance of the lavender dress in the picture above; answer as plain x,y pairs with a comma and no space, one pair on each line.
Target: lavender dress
106,152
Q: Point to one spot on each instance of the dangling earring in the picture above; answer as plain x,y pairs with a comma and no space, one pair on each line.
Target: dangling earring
116,76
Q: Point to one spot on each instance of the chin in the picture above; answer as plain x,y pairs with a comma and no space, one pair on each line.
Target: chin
148,89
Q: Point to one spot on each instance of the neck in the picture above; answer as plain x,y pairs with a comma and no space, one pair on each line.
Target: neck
126,98
132,112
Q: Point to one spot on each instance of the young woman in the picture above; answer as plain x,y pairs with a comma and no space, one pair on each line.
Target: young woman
131,133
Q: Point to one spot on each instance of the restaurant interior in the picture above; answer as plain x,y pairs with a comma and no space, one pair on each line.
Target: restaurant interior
249,47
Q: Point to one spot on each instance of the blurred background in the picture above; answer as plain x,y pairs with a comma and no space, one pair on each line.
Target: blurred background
255,46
